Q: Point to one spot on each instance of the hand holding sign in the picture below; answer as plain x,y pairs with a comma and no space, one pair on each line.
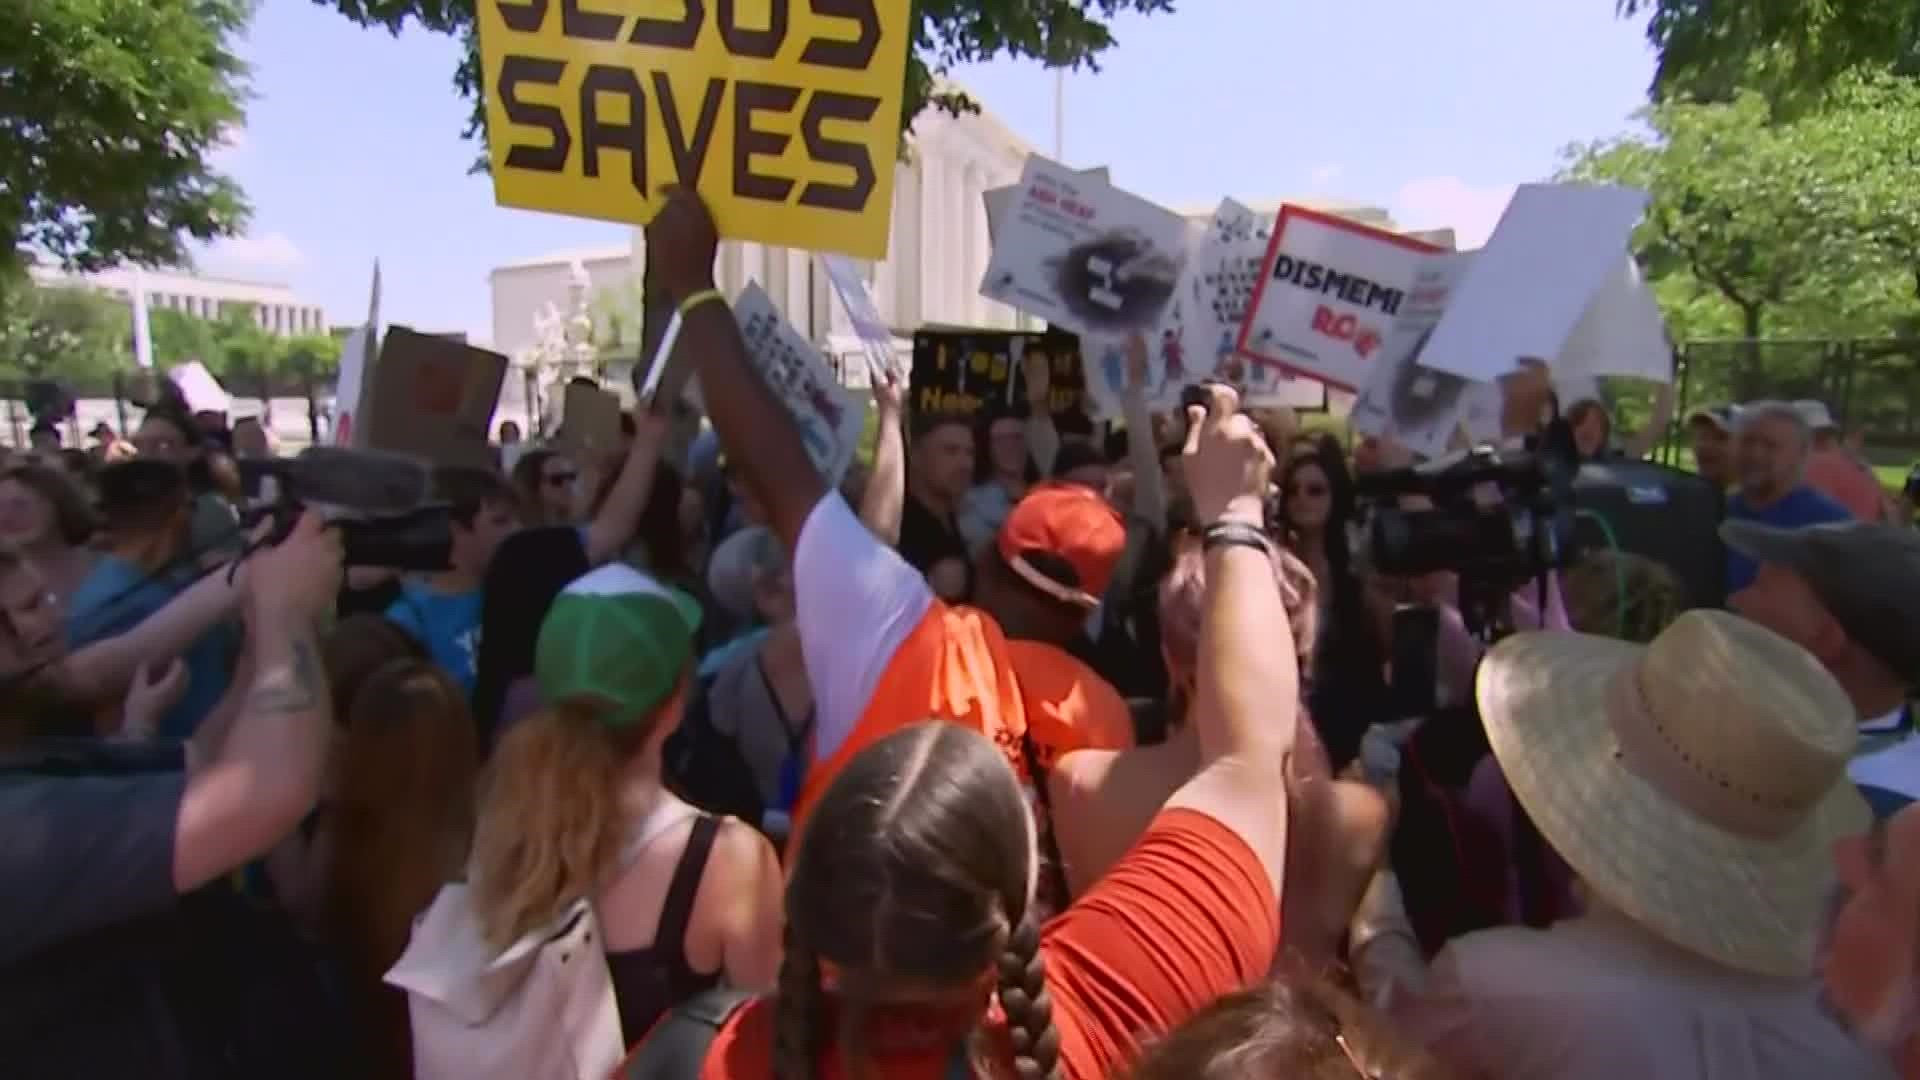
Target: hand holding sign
682,243
789,125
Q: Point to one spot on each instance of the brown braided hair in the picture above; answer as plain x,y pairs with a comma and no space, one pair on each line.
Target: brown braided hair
1028,1006
915,869
801,1012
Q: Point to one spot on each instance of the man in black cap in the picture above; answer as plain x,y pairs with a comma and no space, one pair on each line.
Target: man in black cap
1849,594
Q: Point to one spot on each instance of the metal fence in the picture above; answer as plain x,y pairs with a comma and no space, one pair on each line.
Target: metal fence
294,407
1872,385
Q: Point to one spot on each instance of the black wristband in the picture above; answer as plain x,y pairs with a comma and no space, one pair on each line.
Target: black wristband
1234,534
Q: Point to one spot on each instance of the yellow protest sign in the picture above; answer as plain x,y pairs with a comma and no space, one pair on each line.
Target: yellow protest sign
785,114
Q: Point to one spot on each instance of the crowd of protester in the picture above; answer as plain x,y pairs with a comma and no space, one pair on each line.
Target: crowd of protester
1014,754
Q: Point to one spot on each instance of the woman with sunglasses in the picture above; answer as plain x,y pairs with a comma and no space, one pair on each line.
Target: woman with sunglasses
546,482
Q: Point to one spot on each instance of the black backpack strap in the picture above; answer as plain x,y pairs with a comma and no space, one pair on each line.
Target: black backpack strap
676,1048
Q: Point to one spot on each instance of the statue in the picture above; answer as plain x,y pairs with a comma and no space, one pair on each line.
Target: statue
562,349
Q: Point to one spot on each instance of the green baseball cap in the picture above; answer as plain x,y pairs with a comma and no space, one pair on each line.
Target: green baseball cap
618,636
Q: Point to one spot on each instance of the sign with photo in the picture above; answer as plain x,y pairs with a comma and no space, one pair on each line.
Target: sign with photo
1329,292
788,125
828,420
1416,406
433,398
1085,256
967,372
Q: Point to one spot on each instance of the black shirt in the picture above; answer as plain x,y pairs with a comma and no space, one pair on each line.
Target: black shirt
928,539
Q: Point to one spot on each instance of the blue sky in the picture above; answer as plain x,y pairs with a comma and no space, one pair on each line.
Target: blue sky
352,146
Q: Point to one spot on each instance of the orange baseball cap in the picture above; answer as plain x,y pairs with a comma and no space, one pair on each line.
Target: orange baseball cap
1064,540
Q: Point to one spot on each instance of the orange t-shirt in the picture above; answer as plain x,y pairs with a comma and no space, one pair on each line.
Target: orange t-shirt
957,665
1837,476
1186,916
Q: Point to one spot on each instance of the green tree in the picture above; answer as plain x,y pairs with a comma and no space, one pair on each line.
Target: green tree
68,333
315,356
1738,204
179,338
1790,49
244,353
109,110
1867,138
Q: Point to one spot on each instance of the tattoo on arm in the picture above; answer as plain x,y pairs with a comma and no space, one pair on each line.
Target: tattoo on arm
294,687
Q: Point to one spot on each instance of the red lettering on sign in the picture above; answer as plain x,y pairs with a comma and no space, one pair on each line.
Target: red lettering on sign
1341,327
1330,323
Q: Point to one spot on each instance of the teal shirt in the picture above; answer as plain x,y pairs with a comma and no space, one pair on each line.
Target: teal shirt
447,624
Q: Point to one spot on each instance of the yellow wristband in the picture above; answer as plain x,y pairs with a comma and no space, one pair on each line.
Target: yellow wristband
701,297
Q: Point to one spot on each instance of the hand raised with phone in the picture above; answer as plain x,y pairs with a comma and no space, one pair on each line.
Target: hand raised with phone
1226,461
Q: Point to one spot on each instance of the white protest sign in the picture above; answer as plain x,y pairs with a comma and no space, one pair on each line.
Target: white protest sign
1554,249
201,391
1221,288
1328,294
797,373
357,356
1084,256
997,200
1416,406
876,339
1622,332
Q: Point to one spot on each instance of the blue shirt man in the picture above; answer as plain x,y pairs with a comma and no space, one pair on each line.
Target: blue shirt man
1770,458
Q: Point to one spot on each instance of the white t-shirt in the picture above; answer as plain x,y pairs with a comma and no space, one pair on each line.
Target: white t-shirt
856,601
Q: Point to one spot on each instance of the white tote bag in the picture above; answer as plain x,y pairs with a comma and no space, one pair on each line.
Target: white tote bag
541,1010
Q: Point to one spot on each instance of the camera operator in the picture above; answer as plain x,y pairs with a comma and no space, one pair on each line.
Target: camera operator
114,957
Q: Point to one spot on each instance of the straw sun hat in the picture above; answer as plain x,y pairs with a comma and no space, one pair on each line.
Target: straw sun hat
1696,784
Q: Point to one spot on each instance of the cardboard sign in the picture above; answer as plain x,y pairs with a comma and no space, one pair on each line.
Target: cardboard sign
1413,404
965,372
1085,256
1554,249
589,421
1329,292
785,116
876,338
829,423
998,200
431,398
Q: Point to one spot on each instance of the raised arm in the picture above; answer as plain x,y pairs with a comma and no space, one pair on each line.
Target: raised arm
612,528
266,776
103,670
753,426
886,496
1642,442
1245,708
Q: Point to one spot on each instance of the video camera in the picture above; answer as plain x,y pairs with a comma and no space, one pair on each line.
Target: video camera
381,503
1499,519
